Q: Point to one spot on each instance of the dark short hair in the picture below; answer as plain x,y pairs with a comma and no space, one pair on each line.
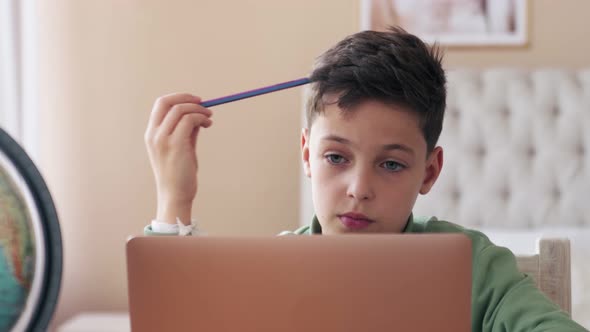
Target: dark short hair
393,67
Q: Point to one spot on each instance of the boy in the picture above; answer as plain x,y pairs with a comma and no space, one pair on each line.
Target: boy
373,119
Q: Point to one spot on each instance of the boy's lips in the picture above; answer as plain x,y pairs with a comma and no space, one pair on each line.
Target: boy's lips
355,221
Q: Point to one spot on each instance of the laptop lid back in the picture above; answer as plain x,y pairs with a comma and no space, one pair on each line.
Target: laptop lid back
402,282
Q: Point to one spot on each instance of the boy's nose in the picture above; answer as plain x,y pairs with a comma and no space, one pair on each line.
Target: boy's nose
360,187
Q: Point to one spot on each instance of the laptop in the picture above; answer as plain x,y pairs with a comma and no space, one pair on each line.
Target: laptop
377,282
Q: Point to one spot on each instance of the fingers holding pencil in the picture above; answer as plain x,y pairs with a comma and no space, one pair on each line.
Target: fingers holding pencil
171,138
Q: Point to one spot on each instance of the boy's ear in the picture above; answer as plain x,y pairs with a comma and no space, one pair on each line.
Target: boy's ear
433,167
305,151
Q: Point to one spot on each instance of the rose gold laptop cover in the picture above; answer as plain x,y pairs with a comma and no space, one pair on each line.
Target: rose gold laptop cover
354,283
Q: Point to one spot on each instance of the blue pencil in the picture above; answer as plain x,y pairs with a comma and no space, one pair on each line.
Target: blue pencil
255,92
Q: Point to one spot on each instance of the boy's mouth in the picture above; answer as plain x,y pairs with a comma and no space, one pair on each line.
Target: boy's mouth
355,221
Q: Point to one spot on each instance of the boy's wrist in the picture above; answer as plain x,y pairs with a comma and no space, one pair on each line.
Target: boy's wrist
171,212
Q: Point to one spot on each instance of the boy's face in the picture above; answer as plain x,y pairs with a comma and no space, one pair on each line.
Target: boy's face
367,167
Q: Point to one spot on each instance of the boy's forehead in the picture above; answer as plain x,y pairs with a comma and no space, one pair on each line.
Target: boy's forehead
370,120
369,113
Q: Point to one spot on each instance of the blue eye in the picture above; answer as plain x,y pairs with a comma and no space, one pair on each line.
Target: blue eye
394,166
335,159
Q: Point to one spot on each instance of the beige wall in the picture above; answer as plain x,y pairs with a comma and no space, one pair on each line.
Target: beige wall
104,62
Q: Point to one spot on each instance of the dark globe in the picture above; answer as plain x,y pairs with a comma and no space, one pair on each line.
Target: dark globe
30,243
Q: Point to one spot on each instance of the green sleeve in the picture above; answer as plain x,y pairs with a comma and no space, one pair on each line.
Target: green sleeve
507,300
304,230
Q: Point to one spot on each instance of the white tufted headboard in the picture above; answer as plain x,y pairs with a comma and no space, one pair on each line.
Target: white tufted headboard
516,150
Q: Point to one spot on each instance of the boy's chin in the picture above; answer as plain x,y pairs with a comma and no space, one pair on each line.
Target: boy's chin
340,228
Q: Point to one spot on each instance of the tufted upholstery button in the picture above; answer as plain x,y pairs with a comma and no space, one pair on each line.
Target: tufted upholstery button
580,150
480,151
578,82
454,113
556,193
455,195
555,111
505,112
531,152
505,194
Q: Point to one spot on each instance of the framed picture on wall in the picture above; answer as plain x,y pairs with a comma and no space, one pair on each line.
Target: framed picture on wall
451,22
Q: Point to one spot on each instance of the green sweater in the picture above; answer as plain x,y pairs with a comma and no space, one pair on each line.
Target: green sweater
503,299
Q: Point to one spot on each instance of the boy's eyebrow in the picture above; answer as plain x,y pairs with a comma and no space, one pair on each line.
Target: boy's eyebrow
386,147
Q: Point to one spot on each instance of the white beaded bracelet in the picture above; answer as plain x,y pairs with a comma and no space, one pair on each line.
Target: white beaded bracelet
174,229
183,229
